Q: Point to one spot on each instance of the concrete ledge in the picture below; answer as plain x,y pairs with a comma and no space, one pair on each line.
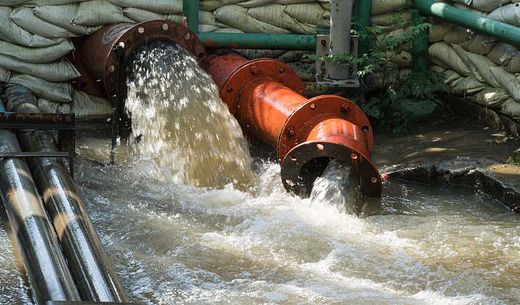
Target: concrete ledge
499,181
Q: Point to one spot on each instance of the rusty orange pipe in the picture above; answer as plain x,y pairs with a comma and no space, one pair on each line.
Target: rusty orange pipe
266,96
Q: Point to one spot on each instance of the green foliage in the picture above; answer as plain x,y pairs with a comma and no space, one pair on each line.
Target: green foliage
403,101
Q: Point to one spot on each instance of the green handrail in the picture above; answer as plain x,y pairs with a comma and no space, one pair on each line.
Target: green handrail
500,30
259,40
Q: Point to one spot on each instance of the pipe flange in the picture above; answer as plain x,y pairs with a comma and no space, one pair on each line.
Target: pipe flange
316,110
106,51
255,70
298,182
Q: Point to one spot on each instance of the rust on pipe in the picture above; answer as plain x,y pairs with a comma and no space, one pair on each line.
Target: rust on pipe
266,96
102,55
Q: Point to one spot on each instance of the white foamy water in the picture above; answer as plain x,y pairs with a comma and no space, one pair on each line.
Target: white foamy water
185,132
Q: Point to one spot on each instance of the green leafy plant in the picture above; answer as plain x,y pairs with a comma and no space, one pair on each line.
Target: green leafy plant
403,101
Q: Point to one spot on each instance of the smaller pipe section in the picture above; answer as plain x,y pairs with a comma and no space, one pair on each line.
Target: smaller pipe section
44,262
95,277
258,41
465,18
266,96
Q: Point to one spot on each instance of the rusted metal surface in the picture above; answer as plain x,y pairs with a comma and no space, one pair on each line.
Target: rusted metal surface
107,51
266,97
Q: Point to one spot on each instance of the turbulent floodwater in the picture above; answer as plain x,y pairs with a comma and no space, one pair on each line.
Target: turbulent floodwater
174,241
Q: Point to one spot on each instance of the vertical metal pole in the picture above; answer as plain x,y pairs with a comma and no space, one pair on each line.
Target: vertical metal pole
90,267
340,36
44,262
190,9
362,14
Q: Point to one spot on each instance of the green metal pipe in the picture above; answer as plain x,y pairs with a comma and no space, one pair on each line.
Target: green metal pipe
190,8
258,41
500,30
362,16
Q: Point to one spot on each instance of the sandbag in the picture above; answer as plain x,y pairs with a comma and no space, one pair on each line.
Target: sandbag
173,7
386,6
53,2
255,3
483,5
236,16
402,59
511,108
309,13
509,14
11,32
4,75
99,12
58,71
87,106
457,35
491,97
24,18
514,65
56,92
502,53
292,56
438,31
450,76
466,86
211,5
507,81
275,15
36,55
140,15
12,2
62,16
52,107
482,64
206,28
481,44
445,53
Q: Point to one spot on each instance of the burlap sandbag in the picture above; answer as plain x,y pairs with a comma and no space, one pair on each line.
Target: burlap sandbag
491,97
386,6
450,76
507,81
140,15
36,55
62,16
509,14
308,13
445,53
275,14
4,75
211,5
25,18
502,53
483,5
466,86
53,2
482,64
11,32
47,106
99,12
481,44
56,92
511,108
59,71
236,16
439,30
86,106
158,6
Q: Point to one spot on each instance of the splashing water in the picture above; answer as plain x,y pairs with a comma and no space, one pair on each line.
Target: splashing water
181,124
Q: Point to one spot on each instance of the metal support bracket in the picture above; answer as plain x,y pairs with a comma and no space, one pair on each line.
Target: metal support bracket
322,68
64,124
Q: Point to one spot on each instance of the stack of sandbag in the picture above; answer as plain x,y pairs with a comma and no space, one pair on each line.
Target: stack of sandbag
34,40
476,66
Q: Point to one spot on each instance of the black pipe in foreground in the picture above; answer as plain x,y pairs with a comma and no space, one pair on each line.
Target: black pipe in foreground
44,262
95,278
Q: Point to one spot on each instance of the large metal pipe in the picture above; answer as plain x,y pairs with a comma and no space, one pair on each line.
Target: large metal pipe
44,262
266,97
95,277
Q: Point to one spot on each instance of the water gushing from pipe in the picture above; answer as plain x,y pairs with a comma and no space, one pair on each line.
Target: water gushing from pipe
180,123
